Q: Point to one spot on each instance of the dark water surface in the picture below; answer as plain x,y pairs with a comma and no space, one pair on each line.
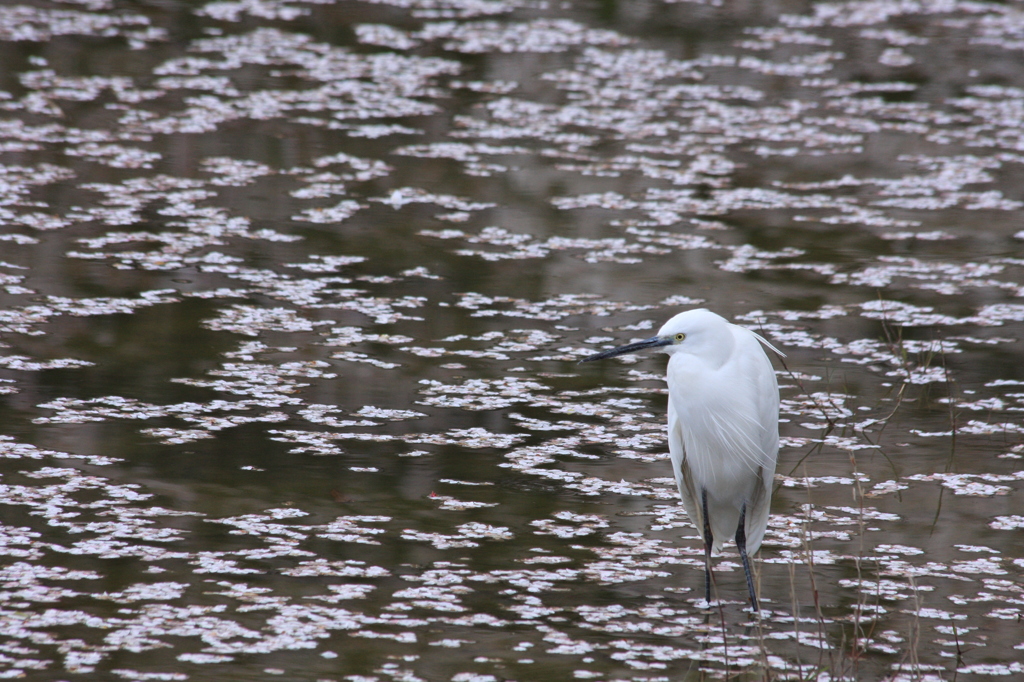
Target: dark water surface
294,291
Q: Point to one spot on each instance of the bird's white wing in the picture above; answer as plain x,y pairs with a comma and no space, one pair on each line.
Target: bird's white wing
684,480
766,407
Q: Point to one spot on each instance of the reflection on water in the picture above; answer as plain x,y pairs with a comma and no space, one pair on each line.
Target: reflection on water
293,295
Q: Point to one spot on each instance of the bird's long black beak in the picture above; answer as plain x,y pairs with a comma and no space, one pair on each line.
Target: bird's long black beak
653,342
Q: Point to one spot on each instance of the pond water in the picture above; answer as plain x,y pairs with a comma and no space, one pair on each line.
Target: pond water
293,295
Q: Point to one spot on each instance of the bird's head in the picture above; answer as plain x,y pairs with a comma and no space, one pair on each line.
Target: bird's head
686,332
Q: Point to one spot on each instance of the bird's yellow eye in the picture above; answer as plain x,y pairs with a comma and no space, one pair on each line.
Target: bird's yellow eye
679,337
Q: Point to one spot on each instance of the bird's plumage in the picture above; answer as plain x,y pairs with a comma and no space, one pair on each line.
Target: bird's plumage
723,426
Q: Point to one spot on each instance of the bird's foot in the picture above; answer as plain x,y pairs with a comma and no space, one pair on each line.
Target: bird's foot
756,614
705,605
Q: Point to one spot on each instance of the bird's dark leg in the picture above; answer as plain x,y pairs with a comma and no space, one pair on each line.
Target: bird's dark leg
708,539
741,544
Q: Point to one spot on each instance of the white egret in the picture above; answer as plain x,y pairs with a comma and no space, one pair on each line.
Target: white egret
723,428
